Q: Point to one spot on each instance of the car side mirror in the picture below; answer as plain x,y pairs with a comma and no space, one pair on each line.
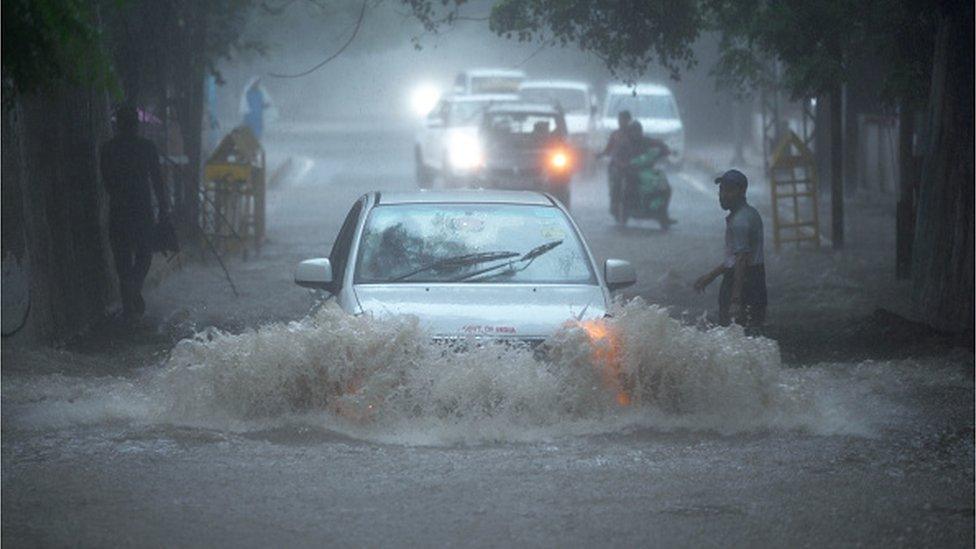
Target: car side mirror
314,273
619,274
435,122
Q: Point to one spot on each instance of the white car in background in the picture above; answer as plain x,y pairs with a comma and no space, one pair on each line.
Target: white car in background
485,81
507,265
652,105
577,102
447,143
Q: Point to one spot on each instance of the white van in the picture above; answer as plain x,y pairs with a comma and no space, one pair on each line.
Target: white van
652,105
576,101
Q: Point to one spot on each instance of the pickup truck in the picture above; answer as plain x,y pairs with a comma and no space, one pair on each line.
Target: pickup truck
526,146
447,145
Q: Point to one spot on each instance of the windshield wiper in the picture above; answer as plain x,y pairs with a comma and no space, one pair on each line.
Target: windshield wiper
526,258
457,262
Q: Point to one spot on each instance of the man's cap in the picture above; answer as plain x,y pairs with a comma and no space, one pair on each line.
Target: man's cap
733,177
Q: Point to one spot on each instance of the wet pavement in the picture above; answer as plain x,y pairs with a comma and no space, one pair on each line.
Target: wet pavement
128,438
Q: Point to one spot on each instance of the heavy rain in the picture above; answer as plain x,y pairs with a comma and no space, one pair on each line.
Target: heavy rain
487,273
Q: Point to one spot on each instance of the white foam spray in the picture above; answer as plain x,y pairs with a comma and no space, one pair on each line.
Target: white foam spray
385,380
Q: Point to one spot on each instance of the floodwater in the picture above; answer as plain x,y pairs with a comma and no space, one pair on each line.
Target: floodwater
245,422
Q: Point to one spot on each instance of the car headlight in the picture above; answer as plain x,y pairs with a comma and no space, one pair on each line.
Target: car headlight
464,152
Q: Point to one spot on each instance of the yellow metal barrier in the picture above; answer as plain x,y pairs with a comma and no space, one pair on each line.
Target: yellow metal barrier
232,207
793,186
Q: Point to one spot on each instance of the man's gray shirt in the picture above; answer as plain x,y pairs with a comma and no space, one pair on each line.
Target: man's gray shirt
744,234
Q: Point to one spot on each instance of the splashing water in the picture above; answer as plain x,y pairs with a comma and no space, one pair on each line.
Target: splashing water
386,380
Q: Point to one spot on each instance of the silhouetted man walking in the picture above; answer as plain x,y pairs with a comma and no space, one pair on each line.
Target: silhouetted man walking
129,164
742,296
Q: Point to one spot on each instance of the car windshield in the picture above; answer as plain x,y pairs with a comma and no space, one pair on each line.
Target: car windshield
570,100
404,243
467,113
518,123
642,106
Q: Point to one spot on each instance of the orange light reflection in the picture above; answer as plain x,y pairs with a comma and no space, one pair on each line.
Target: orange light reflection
606,356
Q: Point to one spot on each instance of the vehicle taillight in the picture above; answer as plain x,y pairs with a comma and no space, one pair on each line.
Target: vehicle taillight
560,160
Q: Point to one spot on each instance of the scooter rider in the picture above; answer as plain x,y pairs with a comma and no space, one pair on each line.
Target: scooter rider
647,186
620,151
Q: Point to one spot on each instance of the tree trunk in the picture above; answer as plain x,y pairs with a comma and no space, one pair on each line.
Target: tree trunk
942,262
836,167
740,129
852,107
821,140
905,211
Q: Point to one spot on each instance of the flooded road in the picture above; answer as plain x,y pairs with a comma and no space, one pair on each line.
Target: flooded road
245,437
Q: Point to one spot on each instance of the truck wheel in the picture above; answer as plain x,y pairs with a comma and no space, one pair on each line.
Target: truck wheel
424,176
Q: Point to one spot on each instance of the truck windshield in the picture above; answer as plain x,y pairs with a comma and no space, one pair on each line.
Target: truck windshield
642,106
495,84
409,243
570,100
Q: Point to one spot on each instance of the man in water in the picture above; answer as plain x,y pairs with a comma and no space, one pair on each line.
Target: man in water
129,163
742,296
619,149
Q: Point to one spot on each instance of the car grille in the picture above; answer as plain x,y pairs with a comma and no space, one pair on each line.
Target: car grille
462,344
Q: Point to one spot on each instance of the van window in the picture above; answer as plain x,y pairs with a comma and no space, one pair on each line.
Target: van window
642,106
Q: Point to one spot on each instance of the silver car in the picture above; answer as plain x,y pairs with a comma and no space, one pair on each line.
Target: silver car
468,263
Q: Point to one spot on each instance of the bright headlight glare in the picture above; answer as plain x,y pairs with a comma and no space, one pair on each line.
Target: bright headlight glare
424,98
465,152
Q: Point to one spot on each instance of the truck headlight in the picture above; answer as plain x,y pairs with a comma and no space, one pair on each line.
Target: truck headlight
464,152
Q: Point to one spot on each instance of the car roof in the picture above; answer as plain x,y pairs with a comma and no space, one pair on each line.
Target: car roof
564,84
529,108
495,72
643,88
482,97
464,196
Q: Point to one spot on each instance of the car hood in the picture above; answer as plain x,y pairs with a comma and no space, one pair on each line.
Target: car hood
486,310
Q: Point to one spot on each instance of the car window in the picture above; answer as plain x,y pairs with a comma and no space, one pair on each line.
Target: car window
467,113
343,243
403,238
642,106
570,100
503,123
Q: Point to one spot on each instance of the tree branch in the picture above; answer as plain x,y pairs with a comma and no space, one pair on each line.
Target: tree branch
355,31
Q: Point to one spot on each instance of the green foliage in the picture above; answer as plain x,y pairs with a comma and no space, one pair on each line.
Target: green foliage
813,42
47,42
805,46
902,36
628,35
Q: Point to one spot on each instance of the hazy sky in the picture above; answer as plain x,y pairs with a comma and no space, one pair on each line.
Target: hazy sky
375,76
